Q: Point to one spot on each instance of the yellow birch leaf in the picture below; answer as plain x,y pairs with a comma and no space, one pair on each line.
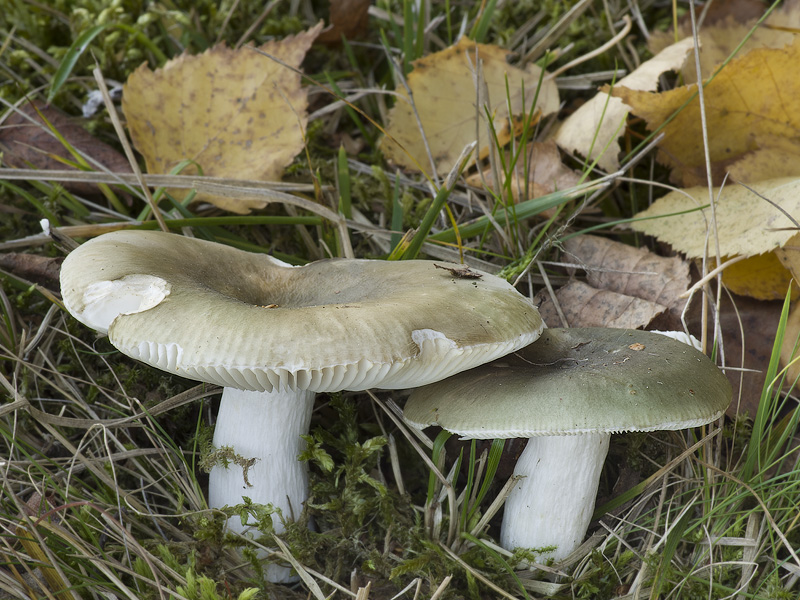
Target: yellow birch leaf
444,90
747,226
762,276
235,113
718,41
776,157
593,128
755,97
730,26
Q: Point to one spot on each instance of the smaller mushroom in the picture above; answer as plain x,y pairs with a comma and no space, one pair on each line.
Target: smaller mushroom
567,393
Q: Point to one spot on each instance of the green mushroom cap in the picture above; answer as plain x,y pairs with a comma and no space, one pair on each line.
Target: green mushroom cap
217,314
576,381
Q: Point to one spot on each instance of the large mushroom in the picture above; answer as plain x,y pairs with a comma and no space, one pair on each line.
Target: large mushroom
567,393
273,335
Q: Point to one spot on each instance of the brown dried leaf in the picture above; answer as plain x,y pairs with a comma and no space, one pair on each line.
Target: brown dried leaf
349,18
627,270
32,267
626,286
444,90
236,113
586,306
26,141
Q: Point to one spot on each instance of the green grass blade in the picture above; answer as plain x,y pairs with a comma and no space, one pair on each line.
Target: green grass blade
481,27
464,517
427,222
436,453
495,453
522,211
673,539
408,35
75,51
397,213
770,394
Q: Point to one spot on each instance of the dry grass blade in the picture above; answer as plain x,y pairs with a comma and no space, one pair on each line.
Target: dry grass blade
313,586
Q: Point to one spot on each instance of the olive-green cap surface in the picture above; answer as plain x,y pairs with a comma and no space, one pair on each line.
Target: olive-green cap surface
213,313
574,381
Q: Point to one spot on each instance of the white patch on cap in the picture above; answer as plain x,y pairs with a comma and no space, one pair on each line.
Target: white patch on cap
681,337
437,338
104,301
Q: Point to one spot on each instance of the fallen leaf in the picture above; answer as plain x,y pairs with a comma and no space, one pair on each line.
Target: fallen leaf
27,142
625,286
776,157
586,306
627,270
32,267
725,29
235,113
349,18
546,174
593,129
444,91
747,226
753,99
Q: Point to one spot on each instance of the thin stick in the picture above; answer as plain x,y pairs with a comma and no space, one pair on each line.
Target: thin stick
707,156
442,587
556,304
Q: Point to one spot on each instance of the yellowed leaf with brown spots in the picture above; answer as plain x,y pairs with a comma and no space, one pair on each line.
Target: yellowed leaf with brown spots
444,91
752,103
762,276
234,113
747,226
730,26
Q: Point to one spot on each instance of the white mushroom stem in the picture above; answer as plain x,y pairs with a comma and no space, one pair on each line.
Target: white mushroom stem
553,503
266,426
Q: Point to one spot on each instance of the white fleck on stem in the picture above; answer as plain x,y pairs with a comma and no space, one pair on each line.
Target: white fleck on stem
552,504
266,426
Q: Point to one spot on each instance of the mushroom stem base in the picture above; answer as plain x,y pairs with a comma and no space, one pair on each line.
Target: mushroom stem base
552,504
266,426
